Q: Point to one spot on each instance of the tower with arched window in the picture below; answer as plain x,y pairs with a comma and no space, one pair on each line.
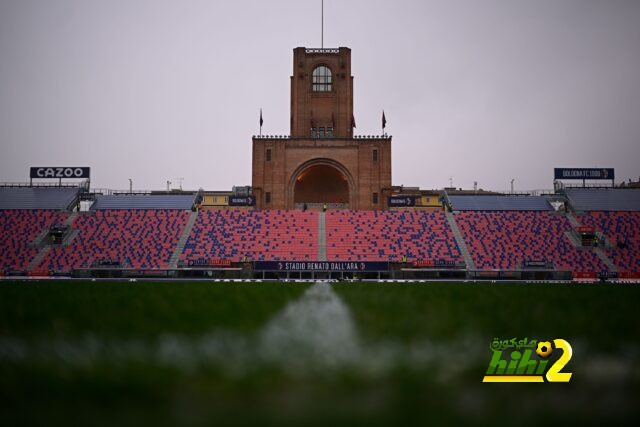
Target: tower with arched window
321,161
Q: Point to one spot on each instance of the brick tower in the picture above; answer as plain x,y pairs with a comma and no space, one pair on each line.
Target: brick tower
321,161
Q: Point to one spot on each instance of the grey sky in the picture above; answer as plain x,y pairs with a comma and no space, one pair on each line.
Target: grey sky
476,90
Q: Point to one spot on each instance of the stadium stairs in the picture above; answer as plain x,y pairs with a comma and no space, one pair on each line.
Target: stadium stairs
572,219
46,248
322,237
41,240
605,259
468,260
598,251
175,256
617,227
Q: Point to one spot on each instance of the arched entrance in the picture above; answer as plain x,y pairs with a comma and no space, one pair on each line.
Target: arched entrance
321,181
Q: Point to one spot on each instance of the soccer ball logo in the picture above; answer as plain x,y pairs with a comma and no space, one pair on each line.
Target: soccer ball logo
544,349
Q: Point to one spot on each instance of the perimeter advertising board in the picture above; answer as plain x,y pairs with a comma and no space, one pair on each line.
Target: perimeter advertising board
59,172
320,266
583,173
402,201
242,201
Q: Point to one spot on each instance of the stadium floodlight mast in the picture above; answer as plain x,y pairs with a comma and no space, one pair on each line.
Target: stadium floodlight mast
130,186
179,182
512,180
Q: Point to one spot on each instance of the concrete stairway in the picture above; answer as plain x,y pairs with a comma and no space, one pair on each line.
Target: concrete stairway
460,241
598,251
41,240
175,256
573,239
45,248
38,258
572,219
322,237
605,259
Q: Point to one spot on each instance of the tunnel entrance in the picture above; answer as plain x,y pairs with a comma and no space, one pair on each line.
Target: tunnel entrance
320,184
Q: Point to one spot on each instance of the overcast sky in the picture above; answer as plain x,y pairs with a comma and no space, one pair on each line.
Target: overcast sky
474,90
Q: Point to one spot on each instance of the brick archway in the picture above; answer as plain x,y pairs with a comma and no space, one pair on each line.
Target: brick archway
310,170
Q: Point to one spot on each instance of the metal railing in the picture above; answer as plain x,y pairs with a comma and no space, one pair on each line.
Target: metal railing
316,206
44,184
383,136
111,192
537,192
317,50
558,185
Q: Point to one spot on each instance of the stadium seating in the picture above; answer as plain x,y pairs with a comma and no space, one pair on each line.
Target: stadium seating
388,235
505,239
49,198
18,229
146,238
144,201
258,235
499,203
618,227
136,238
604,199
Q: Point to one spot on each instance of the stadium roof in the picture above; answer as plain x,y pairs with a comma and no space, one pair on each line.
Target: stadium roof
499,203
37,197
604,199
137,201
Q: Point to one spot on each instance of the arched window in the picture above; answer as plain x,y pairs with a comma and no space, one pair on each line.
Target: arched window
321,79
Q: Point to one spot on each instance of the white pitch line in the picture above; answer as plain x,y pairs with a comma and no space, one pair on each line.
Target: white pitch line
315,329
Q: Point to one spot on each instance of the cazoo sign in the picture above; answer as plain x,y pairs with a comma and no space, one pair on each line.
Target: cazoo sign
59,172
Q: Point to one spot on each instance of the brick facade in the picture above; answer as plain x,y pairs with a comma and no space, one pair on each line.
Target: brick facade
365,163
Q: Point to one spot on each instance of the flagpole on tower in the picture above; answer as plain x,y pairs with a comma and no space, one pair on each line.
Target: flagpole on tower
261,121
322,26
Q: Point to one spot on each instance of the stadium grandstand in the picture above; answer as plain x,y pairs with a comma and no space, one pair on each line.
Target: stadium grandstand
595,232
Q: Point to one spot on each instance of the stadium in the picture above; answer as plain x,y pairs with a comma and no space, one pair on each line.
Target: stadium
323,293
322,206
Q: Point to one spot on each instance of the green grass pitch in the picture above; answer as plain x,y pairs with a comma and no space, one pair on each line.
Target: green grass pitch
202,353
